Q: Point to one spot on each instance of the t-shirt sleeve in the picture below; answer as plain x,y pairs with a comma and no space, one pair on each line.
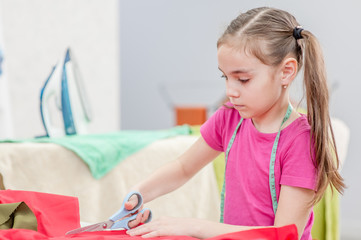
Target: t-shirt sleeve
211,130
298,167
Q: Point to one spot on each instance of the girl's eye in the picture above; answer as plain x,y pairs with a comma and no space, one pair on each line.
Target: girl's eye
224,77
243,80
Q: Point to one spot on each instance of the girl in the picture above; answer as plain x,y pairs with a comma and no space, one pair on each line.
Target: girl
278,162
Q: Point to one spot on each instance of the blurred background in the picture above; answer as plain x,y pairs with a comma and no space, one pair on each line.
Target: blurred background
140,59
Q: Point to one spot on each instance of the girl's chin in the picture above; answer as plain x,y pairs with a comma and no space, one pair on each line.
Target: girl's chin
244,114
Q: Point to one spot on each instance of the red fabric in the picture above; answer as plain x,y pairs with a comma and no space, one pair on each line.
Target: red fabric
283,233
110,235
56,214
12,234
106,235
288,232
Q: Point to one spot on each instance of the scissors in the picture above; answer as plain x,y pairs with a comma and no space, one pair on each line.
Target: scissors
120,219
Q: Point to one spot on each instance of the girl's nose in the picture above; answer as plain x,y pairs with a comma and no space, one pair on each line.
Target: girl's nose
232,91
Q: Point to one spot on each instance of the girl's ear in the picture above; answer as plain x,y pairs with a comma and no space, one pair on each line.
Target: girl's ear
289,71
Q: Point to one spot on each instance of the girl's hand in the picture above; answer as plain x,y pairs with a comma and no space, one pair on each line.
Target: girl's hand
166,226
141,218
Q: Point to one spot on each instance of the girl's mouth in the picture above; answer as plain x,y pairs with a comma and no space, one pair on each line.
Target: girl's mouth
238,107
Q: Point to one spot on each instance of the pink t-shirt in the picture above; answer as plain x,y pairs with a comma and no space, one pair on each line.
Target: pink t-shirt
248,199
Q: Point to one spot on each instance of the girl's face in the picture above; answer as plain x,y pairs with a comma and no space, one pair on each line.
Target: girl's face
252,87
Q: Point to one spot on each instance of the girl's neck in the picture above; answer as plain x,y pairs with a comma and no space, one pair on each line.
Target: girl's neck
270,121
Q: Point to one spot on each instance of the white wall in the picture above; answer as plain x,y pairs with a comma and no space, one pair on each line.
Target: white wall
6,126
175,41
37,32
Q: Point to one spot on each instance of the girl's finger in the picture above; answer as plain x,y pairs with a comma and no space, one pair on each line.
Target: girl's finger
151,235
145,216
132,202
135,222
139,230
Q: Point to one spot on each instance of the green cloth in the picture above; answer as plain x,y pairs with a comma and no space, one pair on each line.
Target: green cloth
326,212
17,215
102,152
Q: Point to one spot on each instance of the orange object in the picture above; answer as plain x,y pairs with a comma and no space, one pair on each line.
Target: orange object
190,115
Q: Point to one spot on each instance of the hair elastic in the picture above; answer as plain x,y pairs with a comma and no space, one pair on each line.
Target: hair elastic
297,32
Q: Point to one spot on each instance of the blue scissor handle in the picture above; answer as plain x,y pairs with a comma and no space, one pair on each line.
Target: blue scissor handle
124,222
122,212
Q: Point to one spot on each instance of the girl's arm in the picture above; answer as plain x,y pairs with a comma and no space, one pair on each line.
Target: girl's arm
173,175
176,173
293,208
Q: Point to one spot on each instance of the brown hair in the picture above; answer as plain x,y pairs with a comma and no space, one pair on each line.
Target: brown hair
274,28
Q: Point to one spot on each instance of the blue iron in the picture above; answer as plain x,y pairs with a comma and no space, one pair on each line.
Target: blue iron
64,105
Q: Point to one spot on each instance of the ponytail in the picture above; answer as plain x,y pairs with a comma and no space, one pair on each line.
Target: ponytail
315,83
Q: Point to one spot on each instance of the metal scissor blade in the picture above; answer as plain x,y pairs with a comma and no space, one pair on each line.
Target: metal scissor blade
92,228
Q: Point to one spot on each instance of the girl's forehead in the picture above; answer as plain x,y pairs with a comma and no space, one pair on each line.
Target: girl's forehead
230,57
249,46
